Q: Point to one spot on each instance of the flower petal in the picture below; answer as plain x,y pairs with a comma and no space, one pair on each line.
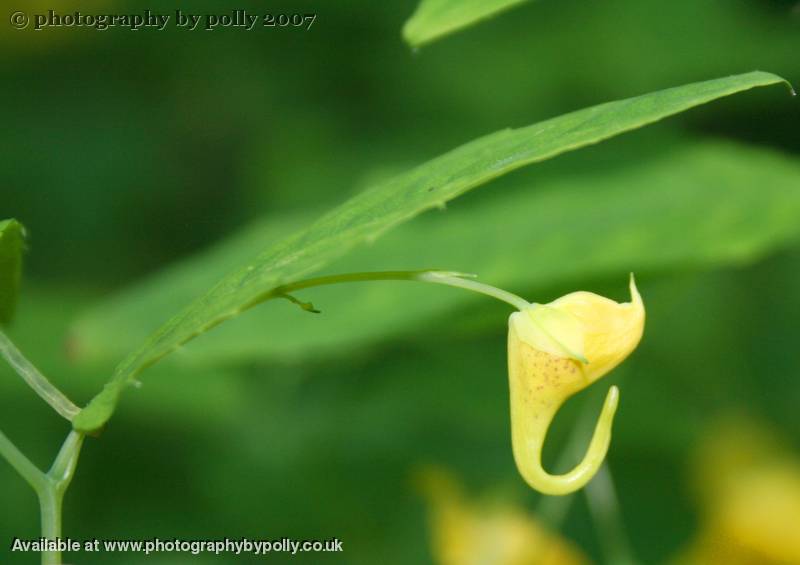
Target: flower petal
611,331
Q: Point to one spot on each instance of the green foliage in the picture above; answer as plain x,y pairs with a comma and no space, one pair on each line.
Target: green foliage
434,19
121,161
368,215
736,204
12,241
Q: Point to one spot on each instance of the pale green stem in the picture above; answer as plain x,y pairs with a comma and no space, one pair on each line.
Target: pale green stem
604,507
50,487
36,380
51,495
448,278
459,282
50,510
22,464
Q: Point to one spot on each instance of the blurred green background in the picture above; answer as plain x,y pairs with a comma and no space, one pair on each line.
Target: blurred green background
128,153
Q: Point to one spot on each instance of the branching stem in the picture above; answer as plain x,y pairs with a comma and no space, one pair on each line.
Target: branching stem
51,496
49,487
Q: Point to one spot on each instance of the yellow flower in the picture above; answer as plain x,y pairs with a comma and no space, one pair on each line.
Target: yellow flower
468,533
749,484
554,351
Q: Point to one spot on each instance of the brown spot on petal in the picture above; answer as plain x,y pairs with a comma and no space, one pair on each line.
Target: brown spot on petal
542,373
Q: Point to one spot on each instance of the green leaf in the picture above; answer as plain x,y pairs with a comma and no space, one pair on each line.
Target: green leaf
702,204
12,243
434,19
368,215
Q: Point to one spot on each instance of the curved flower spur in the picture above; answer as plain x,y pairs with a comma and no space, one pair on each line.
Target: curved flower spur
554,351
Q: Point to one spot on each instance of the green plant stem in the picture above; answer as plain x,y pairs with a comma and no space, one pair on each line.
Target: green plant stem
449,278
51,495
50,504
458,280
604,507
36,380
50,487
22,464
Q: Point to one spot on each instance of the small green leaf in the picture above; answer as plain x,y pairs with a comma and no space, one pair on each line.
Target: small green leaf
12,243
434,19
373,212
307,306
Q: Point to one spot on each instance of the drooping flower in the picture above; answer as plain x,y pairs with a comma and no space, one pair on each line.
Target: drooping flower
554,351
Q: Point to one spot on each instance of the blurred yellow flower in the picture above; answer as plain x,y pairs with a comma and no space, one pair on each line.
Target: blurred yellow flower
554,351
466,533
749,487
